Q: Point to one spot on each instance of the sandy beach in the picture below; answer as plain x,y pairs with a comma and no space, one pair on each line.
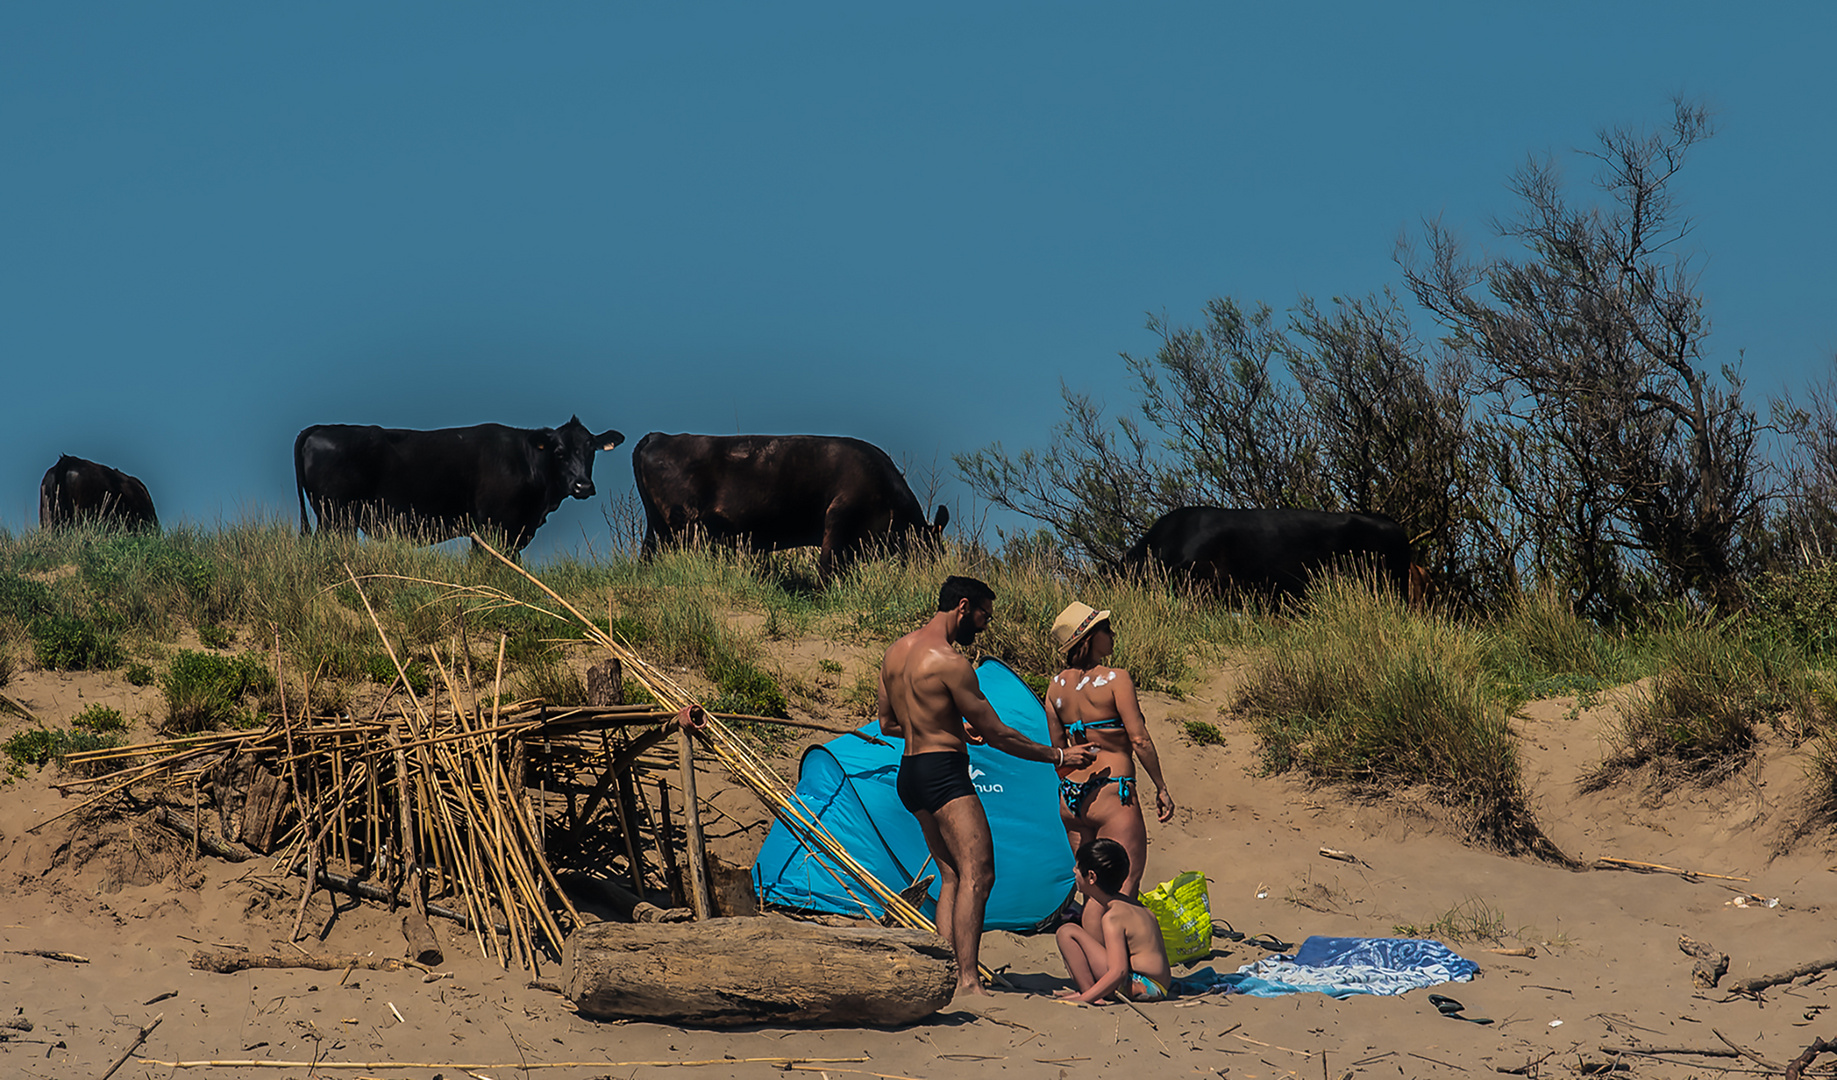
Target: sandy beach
1607,974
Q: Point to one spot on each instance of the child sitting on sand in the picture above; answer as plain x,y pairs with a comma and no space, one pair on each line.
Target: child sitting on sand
1119,945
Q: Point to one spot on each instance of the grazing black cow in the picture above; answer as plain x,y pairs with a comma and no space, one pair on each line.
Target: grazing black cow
777,491
75,490
443,483
1271,552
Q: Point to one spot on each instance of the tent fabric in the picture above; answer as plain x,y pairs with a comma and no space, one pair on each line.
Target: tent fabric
848,786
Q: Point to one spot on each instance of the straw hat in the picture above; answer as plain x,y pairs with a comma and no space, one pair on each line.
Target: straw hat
1077,620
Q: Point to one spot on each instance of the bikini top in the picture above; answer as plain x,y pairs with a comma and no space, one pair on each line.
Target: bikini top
1078,729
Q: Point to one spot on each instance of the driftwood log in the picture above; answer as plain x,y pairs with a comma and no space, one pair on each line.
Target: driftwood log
1711,965
1797,1066
1755,985
224,962
730,972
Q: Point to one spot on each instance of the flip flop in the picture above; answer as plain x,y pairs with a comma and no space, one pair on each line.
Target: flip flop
1451,1008
1268,943
1223,929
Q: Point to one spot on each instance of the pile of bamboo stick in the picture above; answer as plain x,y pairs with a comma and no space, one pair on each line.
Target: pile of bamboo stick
433,799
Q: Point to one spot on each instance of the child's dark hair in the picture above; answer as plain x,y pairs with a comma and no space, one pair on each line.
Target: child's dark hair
958,589
1108,860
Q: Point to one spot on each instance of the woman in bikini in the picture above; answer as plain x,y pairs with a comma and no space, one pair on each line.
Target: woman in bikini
1092,703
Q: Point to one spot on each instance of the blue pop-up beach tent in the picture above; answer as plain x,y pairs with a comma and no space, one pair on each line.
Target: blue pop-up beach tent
848,784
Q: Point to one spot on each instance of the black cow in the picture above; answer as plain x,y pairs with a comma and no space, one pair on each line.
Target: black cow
777,491
1271,552
444,483
75,490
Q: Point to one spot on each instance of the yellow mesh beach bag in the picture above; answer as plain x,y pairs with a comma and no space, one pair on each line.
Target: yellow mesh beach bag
1184,911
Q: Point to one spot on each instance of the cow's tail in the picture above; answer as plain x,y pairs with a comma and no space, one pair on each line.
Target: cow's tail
299,477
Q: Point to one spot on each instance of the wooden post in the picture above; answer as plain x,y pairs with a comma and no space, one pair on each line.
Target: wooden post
627,805
666,846
692,818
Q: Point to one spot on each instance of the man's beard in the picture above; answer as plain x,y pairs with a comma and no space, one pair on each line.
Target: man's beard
965,635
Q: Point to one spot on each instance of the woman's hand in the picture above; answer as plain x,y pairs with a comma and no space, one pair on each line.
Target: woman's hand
1164,805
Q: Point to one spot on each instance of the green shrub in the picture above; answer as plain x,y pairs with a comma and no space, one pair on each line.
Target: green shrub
1800,606
100,719
205,691
140,674
216,637
382,670
68,643
746,689
39,746
1200,733
24,599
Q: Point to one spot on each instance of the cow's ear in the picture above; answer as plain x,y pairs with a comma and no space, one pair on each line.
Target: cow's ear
609,439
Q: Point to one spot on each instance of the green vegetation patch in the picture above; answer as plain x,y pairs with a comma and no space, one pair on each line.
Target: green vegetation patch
1357,691
37,747
205,691
70,643
1714,684
1201,733
100,719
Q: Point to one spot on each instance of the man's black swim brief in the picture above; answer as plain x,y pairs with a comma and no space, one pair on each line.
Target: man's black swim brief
928,781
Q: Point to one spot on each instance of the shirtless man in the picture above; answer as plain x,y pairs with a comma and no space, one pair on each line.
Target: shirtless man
928,697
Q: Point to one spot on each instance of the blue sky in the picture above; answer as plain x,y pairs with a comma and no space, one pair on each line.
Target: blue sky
222,223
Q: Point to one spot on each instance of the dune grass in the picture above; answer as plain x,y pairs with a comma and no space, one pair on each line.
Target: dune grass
1348,688
1353,689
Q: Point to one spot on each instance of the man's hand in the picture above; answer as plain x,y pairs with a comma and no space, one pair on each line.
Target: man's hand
1077,757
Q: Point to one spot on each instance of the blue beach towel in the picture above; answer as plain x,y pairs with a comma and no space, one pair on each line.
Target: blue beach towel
1340,967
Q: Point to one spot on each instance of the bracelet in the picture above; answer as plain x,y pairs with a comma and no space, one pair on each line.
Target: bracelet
1061,751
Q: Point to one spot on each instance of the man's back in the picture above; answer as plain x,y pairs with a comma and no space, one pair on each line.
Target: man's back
917,676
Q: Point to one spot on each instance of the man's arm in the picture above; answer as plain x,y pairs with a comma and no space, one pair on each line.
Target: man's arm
883,707
966,694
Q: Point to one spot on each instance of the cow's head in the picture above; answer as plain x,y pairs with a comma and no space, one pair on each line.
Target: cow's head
570,449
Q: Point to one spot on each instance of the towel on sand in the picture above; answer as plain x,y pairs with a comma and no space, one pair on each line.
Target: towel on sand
1339,967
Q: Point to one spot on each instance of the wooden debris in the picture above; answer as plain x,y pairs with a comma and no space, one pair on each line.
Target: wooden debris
1342,856
225,963
1529,952
51,954
423,945
1759,983
207,843
1605,863
135,1045
1795,1069
772,970
622,902
1747,1053
469,1066
1711,965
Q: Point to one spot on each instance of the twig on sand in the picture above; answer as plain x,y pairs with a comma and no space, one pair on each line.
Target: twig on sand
861,1072
51,954
258,1063
1607,863
1434,1061
1747,1053
138,1039
1650,1051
